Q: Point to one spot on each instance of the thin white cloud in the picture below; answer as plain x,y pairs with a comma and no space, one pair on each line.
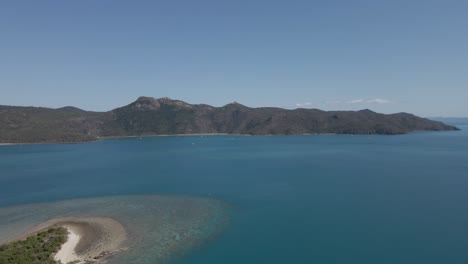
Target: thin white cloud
303,104
356,101
361,101
378,101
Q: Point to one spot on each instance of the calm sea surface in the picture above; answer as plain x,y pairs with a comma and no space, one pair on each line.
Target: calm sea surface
295,199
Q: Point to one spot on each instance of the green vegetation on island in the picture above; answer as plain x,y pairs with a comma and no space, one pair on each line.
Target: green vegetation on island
150,116
36,249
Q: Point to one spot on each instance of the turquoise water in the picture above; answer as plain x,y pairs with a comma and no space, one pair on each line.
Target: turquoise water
296,199
160,229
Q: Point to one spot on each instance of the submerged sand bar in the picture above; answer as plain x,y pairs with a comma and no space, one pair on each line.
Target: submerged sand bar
145,229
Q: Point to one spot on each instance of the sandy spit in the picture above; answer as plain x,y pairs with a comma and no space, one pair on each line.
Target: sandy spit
67,253
90,239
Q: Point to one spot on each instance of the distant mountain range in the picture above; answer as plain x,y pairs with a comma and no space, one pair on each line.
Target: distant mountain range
150,116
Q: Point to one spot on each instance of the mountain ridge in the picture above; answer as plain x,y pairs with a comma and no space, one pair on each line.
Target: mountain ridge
164,116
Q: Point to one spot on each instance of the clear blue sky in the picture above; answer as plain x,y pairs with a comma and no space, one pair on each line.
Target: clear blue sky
389,56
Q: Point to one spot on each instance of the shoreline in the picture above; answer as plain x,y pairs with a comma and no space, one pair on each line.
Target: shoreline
67,253
175,135
89,240
123,137
214,135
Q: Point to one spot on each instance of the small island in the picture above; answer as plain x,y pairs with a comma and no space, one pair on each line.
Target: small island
144,229
37,248
67,240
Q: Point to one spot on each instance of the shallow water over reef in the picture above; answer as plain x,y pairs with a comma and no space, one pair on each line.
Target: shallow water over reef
160,228
334,199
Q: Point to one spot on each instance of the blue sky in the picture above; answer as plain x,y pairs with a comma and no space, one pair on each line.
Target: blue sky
388,56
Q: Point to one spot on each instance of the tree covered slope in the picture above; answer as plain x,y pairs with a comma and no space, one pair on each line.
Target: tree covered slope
151,116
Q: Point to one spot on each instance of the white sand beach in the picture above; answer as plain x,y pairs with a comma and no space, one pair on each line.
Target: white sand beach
67,252
90,239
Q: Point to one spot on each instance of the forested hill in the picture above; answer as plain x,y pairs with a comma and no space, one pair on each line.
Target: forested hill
150,116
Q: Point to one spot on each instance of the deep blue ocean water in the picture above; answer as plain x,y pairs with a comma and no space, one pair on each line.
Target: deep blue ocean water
295,199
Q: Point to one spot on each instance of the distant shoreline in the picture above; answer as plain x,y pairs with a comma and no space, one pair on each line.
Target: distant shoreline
201,134
164,135
123,137
173,135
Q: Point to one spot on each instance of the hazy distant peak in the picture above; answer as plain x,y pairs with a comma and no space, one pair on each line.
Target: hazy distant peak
367,111
235,104
71,109
151,103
